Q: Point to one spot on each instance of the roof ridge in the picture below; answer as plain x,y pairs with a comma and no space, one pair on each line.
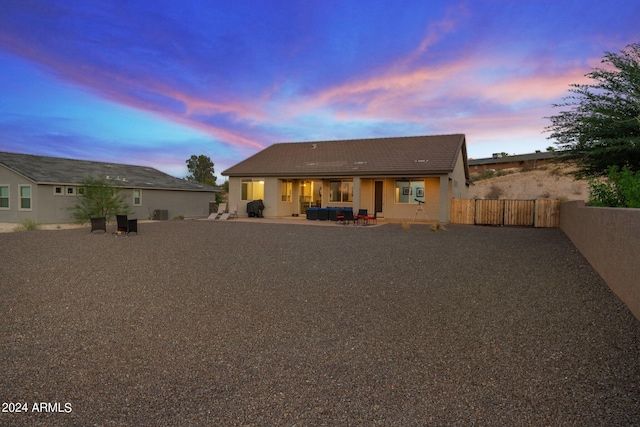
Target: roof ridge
369,138
76,160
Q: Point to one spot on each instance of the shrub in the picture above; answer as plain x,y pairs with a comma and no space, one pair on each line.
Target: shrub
99,197
576,188
527,166
556,171
483,175
27,224
494,192
437,227
621,189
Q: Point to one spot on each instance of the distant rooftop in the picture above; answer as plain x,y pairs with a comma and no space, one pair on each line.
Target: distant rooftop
497,158
55,170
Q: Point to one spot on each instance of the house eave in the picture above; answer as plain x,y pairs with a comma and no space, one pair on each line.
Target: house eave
343,174
133,186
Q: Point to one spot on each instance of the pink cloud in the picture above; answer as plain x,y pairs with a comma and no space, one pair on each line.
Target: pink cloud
458,87
436,31
116,87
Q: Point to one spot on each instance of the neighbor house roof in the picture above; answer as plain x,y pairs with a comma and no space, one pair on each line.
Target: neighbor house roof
54,170
399,156
515,158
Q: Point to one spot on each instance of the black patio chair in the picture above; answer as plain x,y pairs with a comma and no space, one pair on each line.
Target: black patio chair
362,213
126,225
344,217
98,223
370,219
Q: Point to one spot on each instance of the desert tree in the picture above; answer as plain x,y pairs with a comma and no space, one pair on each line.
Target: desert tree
599,126
99,197
201,170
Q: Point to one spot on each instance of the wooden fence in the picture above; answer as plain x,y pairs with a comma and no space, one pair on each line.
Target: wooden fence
530,213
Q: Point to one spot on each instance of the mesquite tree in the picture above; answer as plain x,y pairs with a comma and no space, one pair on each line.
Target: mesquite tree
601,124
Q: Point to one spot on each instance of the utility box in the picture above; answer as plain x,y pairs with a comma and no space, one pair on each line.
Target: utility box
160,214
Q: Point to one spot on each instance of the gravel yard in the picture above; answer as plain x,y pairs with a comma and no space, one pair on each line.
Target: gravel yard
207,323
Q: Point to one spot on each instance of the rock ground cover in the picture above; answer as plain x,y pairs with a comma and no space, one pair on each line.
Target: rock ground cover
236,323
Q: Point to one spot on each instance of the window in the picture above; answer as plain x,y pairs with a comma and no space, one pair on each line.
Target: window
286,188
58,191
252,189
70,191
25,197
409,191
341,191
137,197
4,197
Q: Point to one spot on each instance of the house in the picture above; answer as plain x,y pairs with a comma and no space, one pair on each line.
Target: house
43,189
388,176
499,162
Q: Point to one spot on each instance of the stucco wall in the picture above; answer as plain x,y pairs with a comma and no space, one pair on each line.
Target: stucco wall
609,238
270,196
13,181
437,191
459,188
191,204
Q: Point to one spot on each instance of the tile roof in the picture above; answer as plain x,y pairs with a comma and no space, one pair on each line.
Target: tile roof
404,156
54,170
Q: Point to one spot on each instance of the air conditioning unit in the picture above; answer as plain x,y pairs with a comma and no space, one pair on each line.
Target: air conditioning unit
160,215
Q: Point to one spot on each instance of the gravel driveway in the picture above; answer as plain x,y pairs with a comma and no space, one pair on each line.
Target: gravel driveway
203,323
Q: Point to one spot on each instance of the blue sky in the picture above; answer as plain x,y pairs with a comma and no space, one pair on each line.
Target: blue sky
153,82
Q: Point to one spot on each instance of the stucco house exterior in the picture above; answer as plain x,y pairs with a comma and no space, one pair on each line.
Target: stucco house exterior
387,176
43,188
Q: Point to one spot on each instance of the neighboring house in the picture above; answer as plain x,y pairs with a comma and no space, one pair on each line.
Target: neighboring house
498,162
384,175
44,188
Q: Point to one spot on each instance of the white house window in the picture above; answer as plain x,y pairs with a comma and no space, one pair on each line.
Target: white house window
4,197
137,197
341,191
409,191
252,189
25,197
286,188
58,191
70,191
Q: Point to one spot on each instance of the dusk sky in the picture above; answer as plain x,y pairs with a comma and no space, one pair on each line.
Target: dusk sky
153,82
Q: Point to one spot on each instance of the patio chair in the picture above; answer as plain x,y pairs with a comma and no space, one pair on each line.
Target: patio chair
221,208
98,223
362,213
126,225
371,219
344,217
233,210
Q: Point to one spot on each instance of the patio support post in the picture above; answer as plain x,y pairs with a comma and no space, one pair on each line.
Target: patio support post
443,209
356,193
